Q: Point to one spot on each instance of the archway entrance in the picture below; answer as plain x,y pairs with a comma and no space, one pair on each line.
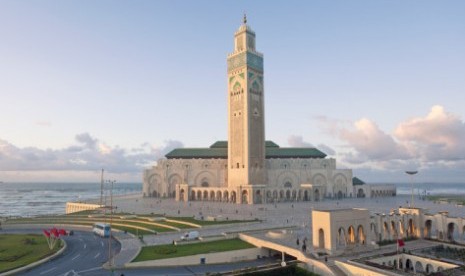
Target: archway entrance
427,231
317,195
339,195
321,239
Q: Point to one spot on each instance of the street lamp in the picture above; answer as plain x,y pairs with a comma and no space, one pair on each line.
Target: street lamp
111,182
411,174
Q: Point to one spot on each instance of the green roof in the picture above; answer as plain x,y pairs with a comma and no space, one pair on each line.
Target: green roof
224,144
357,181
219,150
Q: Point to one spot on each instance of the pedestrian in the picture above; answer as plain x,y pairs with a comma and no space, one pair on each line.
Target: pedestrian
297,242
326,259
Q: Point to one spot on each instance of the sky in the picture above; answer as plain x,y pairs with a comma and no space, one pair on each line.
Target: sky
86,85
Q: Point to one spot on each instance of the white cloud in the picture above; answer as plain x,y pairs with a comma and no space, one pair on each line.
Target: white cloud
424,143
438,136
86,154
298,142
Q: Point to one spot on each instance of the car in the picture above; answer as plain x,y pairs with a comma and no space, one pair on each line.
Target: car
191,235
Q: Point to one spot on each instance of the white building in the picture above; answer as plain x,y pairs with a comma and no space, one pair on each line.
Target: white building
248,169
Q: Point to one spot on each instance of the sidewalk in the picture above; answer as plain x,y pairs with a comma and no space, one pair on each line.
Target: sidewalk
130,248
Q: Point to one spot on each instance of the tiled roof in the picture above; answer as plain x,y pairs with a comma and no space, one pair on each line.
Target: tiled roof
357,181
220,150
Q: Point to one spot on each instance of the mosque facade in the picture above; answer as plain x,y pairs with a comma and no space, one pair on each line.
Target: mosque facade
247,169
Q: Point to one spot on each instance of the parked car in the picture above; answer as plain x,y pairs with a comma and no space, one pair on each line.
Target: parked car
191,235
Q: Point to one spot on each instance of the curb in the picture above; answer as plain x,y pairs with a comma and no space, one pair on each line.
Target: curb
39,262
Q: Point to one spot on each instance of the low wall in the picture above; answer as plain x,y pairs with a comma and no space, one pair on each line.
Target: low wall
73,207
316,266
360,269
210,258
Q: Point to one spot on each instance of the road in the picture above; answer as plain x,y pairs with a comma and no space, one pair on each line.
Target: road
85,253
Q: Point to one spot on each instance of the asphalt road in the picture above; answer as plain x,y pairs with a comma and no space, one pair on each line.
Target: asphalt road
85,253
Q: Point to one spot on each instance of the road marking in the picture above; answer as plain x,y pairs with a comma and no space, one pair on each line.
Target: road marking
85,245
75,257
47,271
96,256
90,269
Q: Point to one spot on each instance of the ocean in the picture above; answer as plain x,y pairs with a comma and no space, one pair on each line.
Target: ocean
32,199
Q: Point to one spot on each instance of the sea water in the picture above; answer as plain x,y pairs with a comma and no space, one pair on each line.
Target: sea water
32,199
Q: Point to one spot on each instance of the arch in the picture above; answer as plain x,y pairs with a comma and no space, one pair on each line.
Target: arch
173,180
428,228
233,197
317,195
245,196
181,195
306,195
408,264
199,195
360,193
351,235
452,231
219,196
288,184
418,267
361,235
204,177
258,197
192,195
275,194
341,237
212,195
154,185
286,176
319,179
401,230
205,195
411,228
395,235
204,182
281,194
321,238
386,232
294,194
374,231
288,195
339,195
429,269
268,194
226,196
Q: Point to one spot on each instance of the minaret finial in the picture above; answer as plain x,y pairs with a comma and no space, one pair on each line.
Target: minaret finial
245,18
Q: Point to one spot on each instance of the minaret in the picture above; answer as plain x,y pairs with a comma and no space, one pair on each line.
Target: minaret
246,125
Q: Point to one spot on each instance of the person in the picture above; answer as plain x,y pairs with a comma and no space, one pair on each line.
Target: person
326,259
297,242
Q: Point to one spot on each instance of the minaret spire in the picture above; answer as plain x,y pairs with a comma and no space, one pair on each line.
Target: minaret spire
245,18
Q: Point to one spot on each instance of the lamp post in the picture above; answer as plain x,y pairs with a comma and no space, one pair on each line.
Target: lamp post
111,182
411,174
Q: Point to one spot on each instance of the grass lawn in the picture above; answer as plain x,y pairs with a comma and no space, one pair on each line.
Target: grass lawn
21,250
172,251
207,222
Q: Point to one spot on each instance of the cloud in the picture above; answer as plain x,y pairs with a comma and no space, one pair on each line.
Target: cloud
438,136
86,154
425,143
298,142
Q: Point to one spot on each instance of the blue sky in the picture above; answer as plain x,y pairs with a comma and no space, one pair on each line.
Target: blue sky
379,85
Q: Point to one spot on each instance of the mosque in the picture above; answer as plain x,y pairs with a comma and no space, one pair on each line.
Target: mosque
247,169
